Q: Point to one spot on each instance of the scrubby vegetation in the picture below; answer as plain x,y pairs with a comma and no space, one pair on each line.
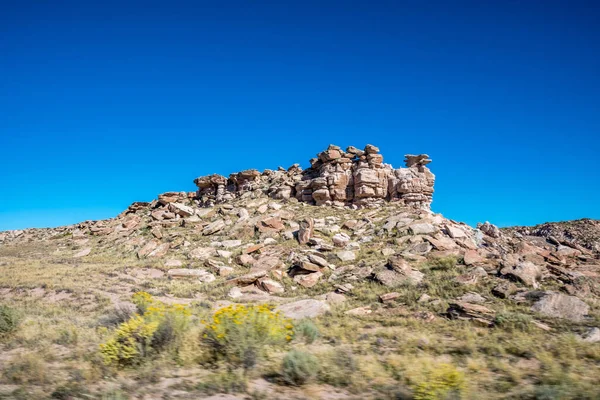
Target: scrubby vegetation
8,320
157,327
240,334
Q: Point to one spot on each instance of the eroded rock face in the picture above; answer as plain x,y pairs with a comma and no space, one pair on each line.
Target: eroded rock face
335,178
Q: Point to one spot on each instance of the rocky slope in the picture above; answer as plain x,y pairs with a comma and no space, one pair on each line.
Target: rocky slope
351,218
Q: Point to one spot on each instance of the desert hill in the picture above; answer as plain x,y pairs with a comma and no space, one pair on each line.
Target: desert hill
395,291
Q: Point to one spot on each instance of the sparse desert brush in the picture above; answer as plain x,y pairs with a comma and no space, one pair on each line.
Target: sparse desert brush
27,369
155,329
338,367
238,334
307,330
443,263
299,367
513,321
9,320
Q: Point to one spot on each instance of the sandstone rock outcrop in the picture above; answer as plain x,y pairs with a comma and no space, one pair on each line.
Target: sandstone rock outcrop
335,178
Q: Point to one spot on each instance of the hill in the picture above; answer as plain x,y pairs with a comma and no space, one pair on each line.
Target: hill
379,296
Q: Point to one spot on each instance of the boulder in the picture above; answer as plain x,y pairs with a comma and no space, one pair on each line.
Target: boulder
181,209
525,271
271,286
306,230
346,255
300,309
558,305
308,280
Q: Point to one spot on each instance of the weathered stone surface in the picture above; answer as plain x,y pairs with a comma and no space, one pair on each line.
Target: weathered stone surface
272,224
489,229
473,258
474,312
213,227
184,273
171,197
340,240
300,309
202,253
160,251
387,297
271,286
306,230
524,271
422,228
346,255
558,305
249,278
173,263
320,261
83,253
147,248
181,209
308,280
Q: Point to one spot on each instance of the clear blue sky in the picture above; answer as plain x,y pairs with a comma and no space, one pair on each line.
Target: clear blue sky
105,103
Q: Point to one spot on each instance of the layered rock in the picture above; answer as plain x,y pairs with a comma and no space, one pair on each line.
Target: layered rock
335,178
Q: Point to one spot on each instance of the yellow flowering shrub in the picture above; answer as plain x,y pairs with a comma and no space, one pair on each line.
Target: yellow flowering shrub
130,342
443,382
238,334
157,326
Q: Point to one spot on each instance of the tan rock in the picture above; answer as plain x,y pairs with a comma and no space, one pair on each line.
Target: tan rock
306,230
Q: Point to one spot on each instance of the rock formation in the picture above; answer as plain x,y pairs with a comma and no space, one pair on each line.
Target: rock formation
353,177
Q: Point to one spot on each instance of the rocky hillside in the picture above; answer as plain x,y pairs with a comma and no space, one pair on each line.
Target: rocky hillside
310,240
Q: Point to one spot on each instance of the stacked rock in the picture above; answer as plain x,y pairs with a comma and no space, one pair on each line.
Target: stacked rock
335,178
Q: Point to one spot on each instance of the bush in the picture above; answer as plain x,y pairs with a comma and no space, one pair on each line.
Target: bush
159,326
340,369
28,369
307,330
444,263
299,367
512,321
9,320
443,382
238,334
222,382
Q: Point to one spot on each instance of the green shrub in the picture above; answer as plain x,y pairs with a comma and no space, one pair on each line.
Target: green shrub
306,330
28,369
299,367
9,320
443,263
442,383
340,368
513,321
239,334
223,382
159,326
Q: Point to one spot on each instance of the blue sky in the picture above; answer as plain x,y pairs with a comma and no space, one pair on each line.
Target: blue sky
106,103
